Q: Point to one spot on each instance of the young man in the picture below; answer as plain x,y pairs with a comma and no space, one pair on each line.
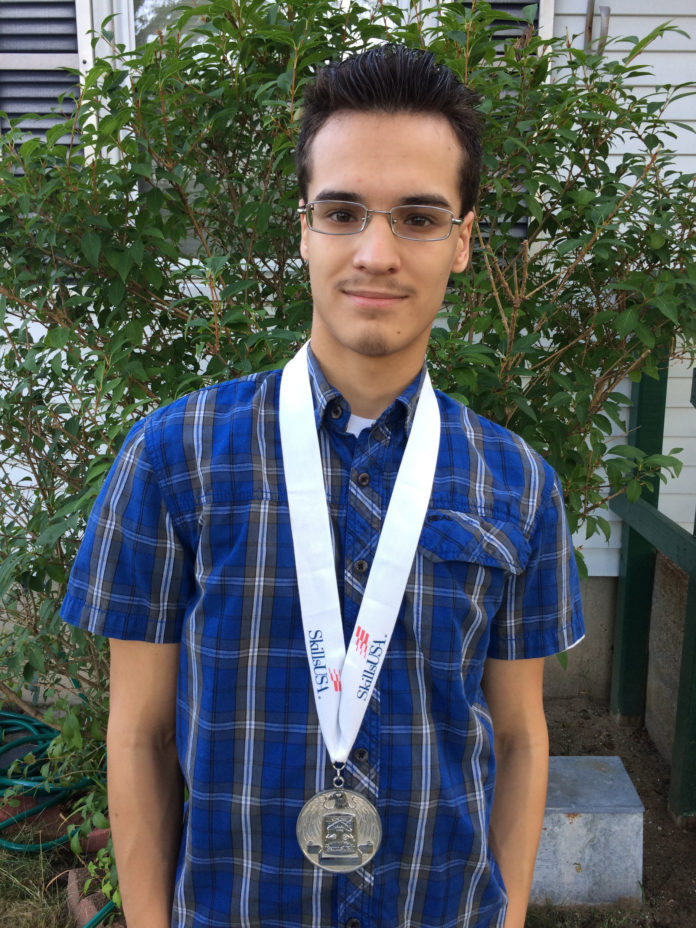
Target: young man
330,679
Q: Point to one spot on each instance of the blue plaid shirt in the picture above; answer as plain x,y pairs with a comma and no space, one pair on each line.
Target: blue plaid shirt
190,542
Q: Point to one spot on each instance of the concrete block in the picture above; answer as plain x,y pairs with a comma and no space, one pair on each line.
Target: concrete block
591,848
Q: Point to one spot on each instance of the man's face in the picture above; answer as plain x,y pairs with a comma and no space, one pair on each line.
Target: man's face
374,294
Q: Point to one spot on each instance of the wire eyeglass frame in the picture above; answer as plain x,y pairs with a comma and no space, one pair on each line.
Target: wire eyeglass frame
365,215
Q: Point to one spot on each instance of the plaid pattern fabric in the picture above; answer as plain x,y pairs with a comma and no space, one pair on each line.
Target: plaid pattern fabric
189,542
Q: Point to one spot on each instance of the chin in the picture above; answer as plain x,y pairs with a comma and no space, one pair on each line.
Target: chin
372,346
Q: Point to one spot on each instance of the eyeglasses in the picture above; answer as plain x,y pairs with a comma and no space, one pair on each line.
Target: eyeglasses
416,223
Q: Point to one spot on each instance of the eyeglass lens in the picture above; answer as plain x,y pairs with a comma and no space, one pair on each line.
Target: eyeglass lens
418,223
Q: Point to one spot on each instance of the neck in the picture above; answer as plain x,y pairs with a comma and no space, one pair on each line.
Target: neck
370,385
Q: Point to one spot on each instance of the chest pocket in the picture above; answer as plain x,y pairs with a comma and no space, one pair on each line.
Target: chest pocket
450,535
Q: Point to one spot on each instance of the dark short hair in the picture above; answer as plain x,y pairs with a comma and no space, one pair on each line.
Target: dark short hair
392,79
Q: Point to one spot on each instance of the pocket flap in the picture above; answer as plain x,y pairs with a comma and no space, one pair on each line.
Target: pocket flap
449,535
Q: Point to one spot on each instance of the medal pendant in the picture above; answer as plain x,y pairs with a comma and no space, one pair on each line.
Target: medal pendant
339,830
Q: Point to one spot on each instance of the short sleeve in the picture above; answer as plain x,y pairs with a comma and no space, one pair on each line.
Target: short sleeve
541,612
132,577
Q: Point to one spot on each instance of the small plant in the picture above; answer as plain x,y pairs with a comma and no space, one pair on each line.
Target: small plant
103,876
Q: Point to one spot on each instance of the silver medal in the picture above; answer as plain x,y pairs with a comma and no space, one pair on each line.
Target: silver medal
339,830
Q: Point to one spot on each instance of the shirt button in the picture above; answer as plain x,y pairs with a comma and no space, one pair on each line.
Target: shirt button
360,566
353,923
335,411
363,479
361,755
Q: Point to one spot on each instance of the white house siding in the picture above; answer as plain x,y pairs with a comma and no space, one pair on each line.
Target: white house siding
678,497
673,60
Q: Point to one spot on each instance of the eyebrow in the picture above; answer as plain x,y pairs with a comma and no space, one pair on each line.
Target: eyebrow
420,199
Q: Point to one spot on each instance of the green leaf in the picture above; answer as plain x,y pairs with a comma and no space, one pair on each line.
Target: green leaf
663,460
524,406
116,292
580,564
99,820
529,12
142,169
215,263
36,659
57,132
91,247
668,306
152,273
120,260
639,46
70,730
645,334
626,321
571,244
50,535
137,251
57,337
7,572
633,490
583,197
627,451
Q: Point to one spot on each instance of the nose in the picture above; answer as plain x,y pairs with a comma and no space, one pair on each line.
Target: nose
377,248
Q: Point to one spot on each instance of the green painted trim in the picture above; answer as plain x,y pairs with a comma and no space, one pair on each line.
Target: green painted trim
669,538
647,421
631,632
634,592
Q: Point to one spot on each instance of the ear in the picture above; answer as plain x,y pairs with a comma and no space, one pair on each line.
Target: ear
304,233
462,252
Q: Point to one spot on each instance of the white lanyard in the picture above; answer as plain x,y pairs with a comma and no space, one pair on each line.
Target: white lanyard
343,681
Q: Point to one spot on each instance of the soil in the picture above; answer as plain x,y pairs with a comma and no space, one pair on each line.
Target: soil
580,726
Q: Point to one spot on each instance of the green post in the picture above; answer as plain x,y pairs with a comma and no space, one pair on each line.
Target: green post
634,591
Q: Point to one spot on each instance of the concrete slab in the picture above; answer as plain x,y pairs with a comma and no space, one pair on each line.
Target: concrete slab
591,848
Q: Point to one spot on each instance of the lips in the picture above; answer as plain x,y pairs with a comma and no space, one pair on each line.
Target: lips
375,294
373,298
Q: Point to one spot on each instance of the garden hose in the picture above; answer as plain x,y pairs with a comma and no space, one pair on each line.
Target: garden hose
100,916
25,730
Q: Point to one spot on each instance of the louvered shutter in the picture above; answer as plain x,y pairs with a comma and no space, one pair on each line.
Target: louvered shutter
37,39
506,32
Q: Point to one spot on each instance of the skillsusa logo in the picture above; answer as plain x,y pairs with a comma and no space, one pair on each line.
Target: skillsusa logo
317,659
361,639
335,676
373,659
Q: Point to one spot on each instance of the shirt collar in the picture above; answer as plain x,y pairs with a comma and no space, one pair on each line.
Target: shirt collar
325,396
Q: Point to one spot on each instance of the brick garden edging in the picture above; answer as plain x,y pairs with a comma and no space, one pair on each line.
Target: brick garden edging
84,908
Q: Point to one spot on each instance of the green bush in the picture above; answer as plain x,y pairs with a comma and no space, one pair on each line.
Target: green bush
150,245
